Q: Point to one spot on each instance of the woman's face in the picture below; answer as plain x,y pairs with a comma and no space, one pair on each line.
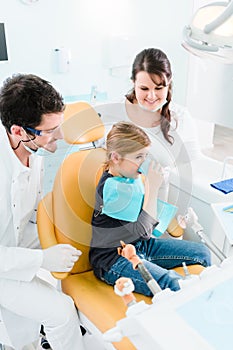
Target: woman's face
150,95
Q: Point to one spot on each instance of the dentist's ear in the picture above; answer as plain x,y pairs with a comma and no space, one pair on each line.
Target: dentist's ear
16,130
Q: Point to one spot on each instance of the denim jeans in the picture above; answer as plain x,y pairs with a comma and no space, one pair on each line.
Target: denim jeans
158,255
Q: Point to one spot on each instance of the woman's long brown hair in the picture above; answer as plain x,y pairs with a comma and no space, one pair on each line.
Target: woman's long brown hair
155,62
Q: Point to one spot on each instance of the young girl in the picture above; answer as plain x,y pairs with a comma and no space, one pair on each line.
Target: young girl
127,146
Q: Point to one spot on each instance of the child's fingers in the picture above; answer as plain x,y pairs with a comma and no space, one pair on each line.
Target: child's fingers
153,164
158,168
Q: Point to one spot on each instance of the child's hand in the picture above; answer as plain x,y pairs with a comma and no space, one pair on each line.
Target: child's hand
154,179
154,176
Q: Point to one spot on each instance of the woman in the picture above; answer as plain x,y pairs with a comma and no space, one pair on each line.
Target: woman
126,209
149,105
171,128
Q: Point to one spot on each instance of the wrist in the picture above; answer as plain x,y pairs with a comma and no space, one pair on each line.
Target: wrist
40,257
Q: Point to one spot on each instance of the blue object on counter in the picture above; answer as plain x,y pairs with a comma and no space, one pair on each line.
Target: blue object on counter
225,186
228,209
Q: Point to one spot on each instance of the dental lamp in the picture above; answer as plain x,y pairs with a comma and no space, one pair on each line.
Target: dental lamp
210,33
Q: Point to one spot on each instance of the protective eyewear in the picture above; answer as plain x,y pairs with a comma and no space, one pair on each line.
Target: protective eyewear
41,132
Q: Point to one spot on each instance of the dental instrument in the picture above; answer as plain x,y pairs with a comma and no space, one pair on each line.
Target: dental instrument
191,219
128,251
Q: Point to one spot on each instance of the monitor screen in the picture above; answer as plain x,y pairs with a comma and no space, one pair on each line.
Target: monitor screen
3,48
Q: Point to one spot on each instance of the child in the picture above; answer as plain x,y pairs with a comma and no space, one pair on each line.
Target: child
127,146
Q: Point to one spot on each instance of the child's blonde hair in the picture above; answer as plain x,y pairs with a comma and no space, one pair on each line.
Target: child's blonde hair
124,138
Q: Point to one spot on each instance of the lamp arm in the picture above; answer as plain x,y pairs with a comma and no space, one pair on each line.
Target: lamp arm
220,19
187,38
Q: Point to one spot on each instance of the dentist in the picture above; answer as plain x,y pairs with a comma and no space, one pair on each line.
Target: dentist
31,113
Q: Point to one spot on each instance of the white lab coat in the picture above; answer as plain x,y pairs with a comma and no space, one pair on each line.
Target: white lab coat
19,195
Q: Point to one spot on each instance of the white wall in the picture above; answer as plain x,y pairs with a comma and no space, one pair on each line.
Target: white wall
84,26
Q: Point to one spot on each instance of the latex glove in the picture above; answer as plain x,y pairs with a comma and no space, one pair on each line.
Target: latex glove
60,258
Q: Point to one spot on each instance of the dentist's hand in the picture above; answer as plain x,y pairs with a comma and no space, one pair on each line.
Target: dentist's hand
60,258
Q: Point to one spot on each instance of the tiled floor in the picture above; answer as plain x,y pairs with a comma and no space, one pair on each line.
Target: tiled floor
223,144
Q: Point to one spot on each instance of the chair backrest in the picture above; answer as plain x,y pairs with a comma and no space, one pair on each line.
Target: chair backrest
73,194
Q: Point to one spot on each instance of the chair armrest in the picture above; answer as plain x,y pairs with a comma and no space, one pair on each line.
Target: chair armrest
46,229
174,229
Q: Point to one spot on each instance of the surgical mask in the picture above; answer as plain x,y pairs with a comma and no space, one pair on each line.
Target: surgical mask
30,150
42,152
152,110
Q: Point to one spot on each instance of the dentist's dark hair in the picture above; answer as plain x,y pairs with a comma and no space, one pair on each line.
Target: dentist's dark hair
25,98
155,62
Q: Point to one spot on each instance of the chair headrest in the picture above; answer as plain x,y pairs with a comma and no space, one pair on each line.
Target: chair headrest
82,124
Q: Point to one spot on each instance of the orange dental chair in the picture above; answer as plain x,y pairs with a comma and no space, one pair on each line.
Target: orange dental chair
64,216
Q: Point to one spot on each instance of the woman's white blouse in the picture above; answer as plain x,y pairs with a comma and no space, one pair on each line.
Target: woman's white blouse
185,147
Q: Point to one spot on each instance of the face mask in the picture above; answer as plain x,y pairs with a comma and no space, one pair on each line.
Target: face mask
42,152
30,150
152,110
